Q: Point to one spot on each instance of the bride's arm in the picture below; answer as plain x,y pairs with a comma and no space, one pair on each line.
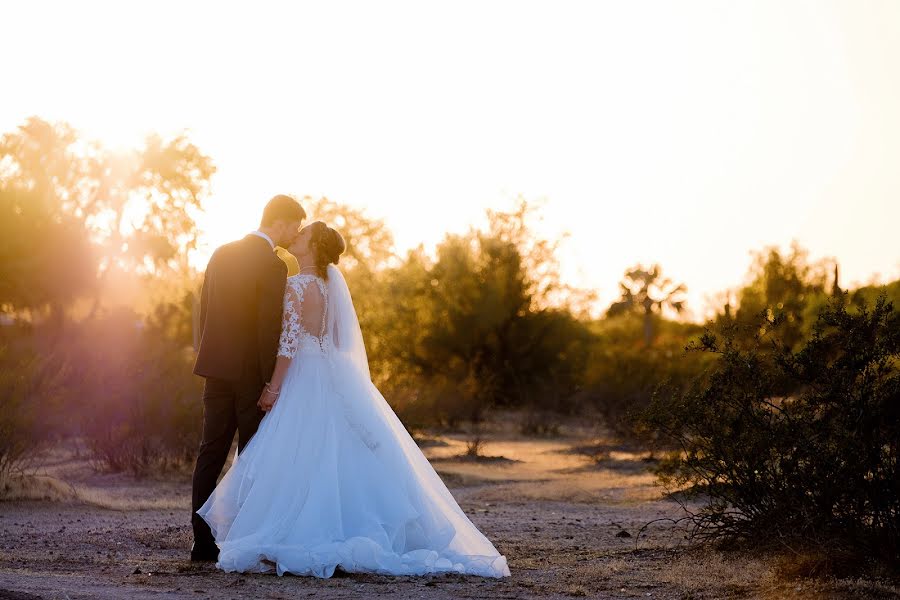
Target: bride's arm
270,393
287,346
302,312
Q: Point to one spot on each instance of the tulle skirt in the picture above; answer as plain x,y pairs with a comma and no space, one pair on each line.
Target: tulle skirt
332,478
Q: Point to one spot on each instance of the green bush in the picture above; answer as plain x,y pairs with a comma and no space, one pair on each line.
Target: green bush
794,446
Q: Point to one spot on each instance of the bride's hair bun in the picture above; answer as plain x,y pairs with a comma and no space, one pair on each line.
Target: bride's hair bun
327,244
334,246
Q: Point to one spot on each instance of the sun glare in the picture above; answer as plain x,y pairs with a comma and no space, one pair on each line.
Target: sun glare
688,135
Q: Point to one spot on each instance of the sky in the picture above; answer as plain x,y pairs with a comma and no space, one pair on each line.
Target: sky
684,133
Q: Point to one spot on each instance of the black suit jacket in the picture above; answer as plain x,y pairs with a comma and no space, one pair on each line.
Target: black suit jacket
240,312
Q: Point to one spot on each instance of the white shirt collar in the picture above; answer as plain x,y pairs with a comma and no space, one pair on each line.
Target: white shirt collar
263,236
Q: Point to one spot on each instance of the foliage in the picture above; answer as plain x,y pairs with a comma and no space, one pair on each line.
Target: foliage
46,260
869,294
795,445
638,349
623,373
134,210
475,327
369,242
29,390
540,260
786,286
138,402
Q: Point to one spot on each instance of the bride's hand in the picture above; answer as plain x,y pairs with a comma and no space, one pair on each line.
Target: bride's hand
267,398
265,403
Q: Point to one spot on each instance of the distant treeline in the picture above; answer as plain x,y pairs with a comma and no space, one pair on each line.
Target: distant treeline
97,298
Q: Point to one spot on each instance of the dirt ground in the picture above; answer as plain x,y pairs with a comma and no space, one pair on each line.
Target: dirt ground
566,516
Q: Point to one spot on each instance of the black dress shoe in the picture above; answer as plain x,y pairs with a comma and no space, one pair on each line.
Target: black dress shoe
204,554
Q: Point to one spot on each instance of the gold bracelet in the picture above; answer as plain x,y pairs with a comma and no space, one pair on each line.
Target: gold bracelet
269,390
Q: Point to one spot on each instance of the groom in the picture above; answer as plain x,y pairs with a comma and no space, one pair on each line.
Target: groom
240,325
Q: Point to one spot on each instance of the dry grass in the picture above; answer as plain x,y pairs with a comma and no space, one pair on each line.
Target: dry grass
43,487
37,487
696,571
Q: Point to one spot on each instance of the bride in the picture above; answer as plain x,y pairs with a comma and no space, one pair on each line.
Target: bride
332,479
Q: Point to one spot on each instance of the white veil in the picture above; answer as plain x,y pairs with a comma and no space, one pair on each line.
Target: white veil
342,323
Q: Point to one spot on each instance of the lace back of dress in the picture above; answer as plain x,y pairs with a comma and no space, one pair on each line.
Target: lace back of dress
302,314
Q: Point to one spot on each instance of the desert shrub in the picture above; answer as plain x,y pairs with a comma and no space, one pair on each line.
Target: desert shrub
540,422
435,401
794,445
474,447
623,380
139,403
29,385
623,373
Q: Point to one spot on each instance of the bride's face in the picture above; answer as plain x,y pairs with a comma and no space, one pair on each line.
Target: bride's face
300,246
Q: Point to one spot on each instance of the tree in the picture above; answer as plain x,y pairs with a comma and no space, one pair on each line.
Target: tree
539,257
479,325
786,286
46,259
135,208
645,291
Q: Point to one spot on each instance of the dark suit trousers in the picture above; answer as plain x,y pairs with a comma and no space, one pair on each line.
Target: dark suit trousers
227,407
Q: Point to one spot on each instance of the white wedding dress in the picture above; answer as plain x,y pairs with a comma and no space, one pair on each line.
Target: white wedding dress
331,478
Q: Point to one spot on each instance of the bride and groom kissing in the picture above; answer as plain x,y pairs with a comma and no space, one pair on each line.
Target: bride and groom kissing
326,477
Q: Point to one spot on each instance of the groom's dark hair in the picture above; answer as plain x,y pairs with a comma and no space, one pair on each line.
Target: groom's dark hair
282,208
